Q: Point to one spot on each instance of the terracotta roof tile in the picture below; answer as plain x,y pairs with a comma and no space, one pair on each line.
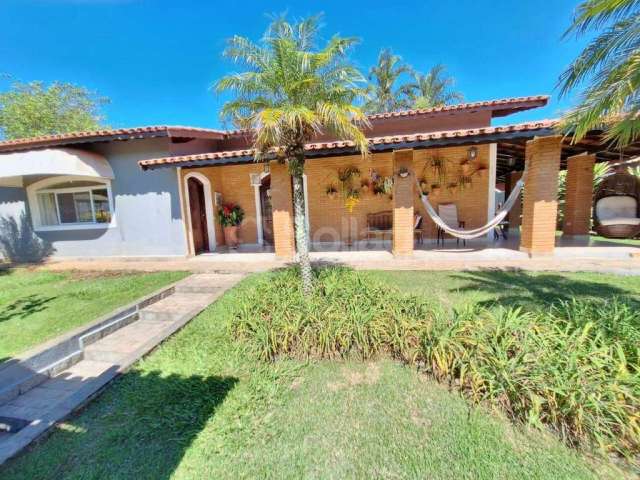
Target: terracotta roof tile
387,140
507,103
163,130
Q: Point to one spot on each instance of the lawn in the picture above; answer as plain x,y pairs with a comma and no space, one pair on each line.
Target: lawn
37,305
204,406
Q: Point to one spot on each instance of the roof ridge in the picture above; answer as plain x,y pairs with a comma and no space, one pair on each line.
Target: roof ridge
460,106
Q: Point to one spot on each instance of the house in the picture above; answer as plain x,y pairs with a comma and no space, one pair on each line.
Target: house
154,191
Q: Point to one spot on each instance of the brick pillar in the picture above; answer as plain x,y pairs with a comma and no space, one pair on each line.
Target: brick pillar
403,197
540,207
282,207
514,214
579,195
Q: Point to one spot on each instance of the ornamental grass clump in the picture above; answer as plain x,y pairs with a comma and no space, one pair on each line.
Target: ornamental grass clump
572,367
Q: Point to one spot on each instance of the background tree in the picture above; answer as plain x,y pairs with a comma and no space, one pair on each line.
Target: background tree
610,64
434,89
289,92
385,94
33,109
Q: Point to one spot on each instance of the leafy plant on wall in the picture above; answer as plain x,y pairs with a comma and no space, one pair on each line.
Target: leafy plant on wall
381,185
350,193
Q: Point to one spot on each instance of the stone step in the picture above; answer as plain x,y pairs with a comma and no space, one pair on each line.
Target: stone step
125,342
177,306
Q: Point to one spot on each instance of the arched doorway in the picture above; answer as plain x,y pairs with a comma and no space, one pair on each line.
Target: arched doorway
201,219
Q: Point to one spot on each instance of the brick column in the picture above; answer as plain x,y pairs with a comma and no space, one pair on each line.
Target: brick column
579,195
514,214
540,207
403,197
282,207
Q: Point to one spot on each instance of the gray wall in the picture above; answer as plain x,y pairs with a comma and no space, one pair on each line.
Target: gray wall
147,208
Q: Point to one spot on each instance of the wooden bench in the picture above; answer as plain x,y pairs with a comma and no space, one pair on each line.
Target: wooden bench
381,223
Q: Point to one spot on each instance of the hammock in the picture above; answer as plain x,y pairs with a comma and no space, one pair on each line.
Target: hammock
476,232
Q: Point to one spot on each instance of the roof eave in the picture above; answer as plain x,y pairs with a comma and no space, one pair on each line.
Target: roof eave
375,148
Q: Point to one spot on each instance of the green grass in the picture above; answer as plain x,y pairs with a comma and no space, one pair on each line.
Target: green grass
36,305
633,242
204,406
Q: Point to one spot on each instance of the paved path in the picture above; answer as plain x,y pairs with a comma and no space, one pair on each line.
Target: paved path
617,260
54,399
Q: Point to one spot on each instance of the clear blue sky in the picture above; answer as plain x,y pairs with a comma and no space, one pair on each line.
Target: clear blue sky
156,59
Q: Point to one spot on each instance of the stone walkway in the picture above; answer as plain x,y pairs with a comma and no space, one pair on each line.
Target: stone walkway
616,259
54,399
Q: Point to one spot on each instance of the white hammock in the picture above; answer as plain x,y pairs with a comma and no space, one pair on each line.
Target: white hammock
476,232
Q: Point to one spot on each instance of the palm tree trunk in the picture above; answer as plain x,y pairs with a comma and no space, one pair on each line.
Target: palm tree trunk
302,237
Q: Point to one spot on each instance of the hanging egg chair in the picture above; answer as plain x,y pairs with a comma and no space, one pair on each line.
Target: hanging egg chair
616,206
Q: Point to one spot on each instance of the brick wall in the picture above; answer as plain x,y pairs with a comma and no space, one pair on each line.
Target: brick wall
329,219
540,206
579,195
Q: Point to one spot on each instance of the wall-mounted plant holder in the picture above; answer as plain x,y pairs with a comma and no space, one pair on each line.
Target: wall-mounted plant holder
467,168
403,172
332,192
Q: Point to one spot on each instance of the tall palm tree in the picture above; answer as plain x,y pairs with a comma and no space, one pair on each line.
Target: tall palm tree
290,91
384,94
610,64
434,89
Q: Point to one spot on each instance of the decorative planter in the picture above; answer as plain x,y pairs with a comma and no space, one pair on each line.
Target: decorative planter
435,191
332,195
467,168
231,236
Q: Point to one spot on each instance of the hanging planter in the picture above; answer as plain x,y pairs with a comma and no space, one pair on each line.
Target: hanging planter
332,192
365,186
435,190
424,186
452,188
439,166
467,168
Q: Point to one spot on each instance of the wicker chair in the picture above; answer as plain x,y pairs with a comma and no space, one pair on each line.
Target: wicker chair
616,211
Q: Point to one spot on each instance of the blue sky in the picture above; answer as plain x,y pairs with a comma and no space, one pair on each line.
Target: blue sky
156,59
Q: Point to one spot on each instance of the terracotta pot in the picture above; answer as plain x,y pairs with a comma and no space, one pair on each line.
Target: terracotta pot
231,236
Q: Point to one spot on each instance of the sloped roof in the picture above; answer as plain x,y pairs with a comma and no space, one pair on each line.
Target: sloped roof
107,135
375,143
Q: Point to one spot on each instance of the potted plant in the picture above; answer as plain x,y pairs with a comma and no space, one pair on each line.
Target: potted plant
365,185
332,191
435,190
453,188
230,217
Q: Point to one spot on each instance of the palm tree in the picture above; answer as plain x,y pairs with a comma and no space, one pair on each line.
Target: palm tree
611,65
435,89
384,95
288,92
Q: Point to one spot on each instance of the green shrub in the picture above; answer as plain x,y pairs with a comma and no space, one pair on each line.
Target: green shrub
572,367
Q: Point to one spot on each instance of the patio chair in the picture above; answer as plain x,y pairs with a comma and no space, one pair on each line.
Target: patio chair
417,228
448,212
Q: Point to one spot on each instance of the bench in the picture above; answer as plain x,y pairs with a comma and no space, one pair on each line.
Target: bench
381,223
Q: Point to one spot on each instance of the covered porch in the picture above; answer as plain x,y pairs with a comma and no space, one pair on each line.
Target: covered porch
459,169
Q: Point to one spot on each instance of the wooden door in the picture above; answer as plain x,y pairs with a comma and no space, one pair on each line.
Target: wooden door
266,211
198,216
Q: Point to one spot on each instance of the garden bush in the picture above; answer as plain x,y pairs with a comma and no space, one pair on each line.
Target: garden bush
572,367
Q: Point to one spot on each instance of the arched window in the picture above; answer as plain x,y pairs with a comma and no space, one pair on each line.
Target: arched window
68,203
